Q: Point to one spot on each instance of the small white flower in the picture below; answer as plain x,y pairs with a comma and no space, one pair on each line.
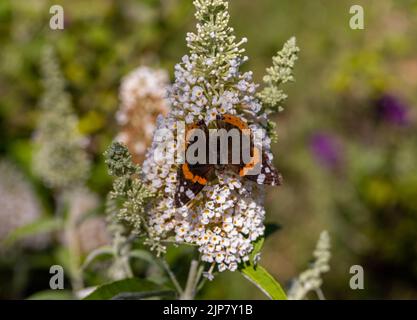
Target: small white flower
208,275
215,239
219,257
227,227
222,267
233,266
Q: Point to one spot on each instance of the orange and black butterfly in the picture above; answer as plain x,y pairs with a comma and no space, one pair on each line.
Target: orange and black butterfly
192,178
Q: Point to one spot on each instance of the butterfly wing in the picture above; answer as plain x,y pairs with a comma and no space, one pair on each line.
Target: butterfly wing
260,169
266,174
229,122
191,180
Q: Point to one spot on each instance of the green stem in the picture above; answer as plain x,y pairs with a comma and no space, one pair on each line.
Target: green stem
172,277
127,268
189,292
197,287
320,294
204,280
74,246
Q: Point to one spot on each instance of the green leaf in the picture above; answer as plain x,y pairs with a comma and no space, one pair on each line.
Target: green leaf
264,281
126,288
258,275
270,228
40,226
257,247
143,255
104,250
52,295
141,295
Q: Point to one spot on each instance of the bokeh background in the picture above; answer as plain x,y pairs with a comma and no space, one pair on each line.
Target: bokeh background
347,143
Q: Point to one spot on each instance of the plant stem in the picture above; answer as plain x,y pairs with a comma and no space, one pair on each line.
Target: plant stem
200,285
198,277
189,292
126,266
74,246
172,277
320,294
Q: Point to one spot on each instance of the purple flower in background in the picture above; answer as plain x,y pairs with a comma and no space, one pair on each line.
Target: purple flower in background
326,149
392,110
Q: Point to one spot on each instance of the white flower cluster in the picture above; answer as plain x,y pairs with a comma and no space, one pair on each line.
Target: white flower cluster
228,215
60,158
143,94
143,82
193,98
310,280
279,73
84,232
19,205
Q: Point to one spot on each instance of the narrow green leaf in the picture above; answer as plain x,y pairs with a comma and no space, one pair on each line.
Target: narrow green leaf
52,295
257,247
105,250
264,281
40,226
141,295
143,255
270,228
117,289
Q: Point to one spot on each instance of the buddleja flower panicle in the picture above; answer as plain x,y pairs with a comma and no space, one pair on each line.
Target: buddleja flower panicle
227,215
128,187
214,52
84,231
60,159
19,207
311,279
279,73
143,97
119,161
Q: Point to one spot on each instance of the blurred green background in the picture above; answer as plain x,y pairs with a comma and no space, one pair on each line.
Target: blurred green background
347,139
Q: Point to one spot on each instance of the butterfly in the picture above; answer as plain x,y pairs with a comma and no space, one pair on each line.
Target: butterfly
192,177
